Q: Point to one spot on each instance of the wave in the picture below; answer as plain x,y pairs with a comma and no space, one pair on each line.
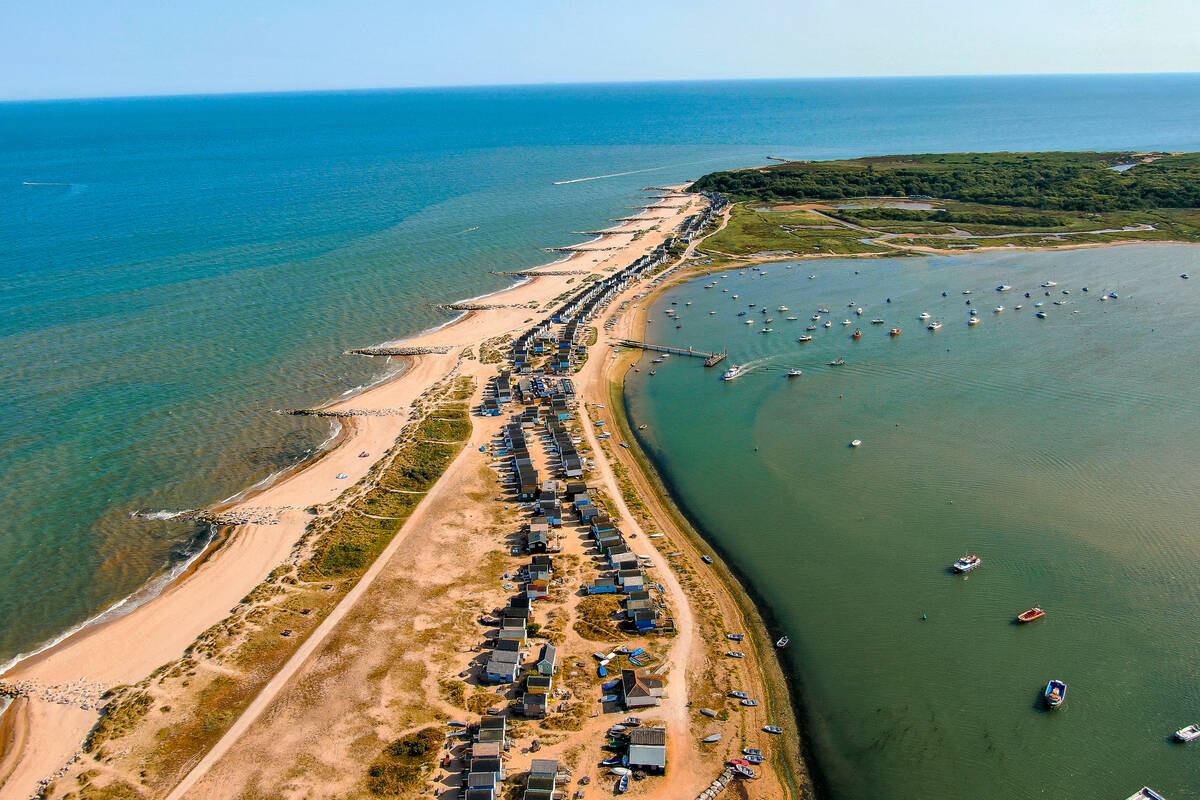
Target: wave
158,515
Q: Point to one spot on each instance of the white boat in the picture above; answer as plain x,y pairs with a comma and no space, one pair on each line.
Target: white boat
973,321
828,324
795,373
858,311
734,371
997,309
1048,284
934,326
846,322
805,338
643,427
783,641
856,443
967,563
1189,734
1004,287
784,308
966,291
749,322
792,319
1041,315
924,315
822,310
1145,793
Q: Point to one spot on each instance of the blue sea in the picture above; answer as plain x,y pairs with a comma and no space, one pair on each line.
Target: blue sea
172,270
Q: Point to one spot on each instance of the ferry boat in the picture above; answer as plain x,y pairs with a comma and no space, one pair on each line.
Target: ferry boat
857,334
924,315
795,373
895,332
837,362
734,371
973,321
1004,287
934,326
805,338
967,563
1189,734
1031,615
1055,694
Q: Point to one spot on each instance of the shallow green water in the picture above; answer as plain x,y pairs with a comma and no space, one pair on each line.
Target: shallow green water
1062,450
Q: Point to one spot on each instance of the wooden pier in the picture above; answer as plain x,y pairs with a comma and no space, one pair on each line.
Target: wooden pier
710,359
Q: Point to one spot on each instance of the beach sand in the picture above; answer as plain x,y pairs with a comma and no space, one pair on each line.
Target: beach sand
46,735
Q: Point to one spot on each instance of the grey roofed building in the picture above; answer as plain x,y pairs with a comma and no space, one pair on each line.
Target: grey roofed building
543,768
548,660
648,748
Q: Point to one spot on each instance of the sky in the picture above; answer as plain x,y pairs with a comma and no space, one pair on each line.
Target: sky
96,48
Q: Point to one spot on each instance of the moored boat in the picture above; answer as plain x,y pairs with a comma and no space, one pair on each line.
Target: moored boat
1031,615
1189,734
783,641
895,332
973,321
924,315
1004,287
1055,694
857,334
805,338
837,362
967,563
856,443
877,321
1145,793
934,326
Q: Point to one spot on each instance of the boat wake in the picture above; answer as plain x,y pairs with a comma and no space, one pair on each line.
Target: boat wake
611,175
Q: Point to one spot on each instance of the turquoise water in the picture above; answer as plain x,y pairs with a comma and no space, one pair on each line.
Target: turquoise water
172,270
1061,450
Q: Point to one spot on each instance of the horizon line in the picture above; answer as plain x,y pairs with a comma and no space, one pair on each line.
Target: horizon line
520,85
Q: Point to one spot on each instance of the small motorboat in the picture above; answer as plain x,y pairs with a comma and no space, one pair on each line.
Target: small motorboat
734,371
1145,793
784,308
816,317
643,427
811,328
822,310
735,637
1055,694
973,321
838,362
858,311
795,373
741,313
1189,734
846,322
966,291
967,563
934,326
828,324
653,372
997,309
1031,615
856,443
877,321
1048,284
341,476
1041,315
805,338
924,315
792,319
895,332
1004,287
783,641
767,330
1185,276
857,334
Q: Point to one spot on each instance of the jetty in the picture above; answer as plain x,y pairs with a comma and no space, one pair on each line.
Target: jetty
383,350
710,359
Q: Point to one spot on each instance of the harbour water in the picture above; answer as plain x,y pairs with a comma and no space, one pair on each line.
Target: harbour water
172,270
1061,450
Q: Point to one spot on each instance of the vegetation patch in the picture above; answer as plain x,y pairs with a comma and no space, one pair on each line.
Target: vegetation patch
595,617
120,717
403,766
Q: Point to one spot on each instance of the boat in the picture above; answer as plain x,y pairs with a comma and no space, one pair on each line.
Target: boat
967,563
767,330
784,308
364,454
857,334
769,319
735,637
1041,315
934,326
622,785
1031,615
744,771
741,313
775,729
846,322
783,641
643,427
716,737
895,332
838,362
750,304
816,317
1055,694
1145,793
1004,287
856,443
792,319
712,312
1185,276
795,373
858,311
653,372
822,310
973,321
805,338
877,321
811,328
341,476
997,309
734,371
1189,734
828,324
924,315
1048,284
966,291
749,322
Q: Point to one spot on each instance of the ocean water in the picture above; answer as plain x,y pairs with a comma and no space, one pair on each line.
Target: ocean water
1061,450
174,269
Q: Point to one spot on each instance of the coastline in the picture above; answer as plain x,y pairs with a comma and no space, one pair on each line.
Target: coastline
124,649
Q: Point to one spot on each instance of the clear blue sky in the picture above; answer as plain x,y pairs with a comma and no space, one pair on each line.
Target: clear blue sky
88,48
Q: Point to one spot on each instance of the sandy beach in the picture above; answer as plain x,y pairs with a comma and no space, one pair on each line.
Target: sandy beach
62,686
